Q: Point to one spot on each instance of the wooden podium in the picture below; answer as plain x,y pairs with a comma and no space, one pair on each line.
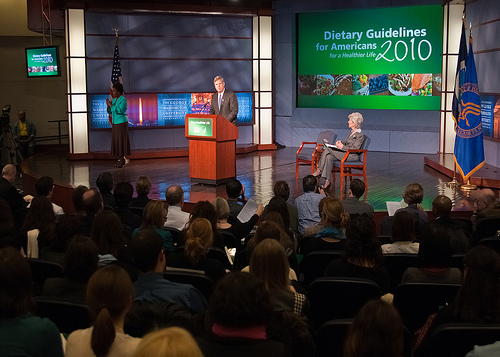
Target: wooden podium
212,148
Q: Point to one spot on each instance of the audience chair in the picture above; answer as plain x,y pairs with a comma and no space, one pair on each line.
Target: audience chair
314,264
339,298
176,234
416,301
196,278
137,210
457,261
492,242
457,339
345,167
128,231
486,228
67,316
214,253
42,270
396,264
230,239
310,156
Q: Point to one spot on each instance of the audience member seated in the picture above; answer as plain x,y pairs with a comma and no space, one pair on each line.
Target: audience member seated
9,234
123,196
142,188
377,330
402,235
105,185
485,206
413,196
434,256
149,257
153,217
282,190
363,258
238,319
38,226
268,229
329,234
77,199
22,334
9,193
353,205
110,294
80,263
269,262
278,205
108,236
235,197
204,209
478,300
44,186
199,240
485,351
460,234
92,204
238,229
169,342
308,203
176,217
66,228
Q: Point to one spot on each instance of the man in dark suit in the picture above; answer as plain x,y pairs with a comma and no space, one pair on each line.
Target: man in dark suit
10,194
353,205
224,102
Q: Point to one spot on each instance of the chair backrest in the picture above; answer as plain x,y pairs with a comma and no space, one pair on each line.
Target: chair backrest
176,234
329,135
486,228
42,270
364,146
492,242
213,253
199,280
338,298
396,264
230,239
330,337
416,301
314,264
67,316
457,339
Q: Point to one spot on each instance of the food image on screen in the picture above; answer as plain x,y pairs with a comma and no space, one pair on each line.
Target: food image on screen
378,83
342,84
400,84
324,85
360,84
421,84
436,84
307,84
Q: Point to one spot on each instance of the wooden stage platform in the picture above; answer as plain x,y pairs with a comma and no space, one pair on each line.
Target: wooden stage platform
388,174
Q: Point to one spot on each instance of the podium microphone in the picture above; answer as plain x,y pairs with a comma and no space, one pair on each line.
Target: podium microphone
204,106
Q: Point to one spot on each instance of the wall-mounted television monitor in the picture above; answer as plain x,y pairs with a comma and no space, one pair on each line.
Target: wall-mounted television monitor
42,61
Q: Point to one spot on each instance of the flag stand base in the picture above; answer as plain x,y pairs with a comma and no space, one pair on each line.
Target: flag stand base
468,186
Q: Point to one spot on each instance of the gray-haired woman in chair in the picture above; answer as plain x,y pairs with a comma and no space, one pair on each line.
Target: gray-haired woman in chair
353,141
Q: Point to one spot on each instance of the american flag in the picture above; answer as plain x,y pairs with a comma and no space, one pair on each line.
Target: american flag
116,74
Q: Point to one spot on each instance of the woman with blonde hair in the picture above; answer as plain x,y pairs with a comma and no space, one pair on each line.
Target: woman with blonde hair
154,217
110,294
169,342
269,262
199,239
330,232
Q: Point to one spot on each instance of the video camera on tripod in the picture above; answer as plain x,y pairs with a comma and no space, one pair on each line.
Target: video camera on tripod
9,154
5,118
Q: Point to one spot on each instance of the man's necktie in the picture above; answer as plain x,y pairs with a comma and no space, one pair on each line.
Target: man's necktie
220,99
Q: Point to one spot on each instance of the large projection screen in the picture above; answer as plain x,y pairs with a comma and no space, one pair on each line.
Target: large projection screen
387,58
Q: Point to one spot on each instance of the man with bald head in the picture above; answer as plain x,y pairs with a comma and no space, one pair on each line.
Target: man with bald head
176,217
10,194
460,234
485,206
24,134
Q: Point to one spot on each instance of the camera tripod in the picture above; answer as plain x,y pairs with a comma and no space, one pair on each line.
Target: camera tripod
9,152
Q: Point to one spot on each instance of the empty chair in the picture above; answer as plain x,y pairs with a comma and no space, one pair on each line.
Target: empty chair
67,316
457,339
196,278
42,269
338,298
314,264
345,167
310,155
396,264
416,301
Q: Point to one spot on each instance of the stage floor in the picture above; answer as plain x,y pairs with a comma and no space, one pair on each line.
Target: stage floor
388,174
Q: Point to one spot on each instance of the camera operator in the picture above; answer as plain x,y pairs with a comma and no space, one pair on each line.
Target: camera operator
24,134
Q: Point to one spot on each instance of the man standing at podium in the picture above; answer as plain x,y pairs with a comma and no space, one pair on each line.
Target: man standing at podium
224,102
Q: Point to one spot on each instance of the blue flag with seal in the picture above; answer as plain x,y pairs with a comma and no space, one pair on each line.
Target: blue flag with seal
469,148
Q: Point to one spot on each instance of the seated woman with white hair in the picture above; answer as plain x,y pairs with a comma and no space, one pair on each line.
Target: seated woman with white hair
353,141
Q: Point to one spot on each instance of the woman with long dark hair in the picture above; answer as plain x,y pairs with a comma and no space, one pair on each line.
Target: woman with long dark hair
40,217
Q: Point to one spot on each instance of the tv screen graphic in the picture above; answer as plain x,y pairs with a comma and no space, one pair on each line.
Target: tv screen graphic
42,62
164,109
387,58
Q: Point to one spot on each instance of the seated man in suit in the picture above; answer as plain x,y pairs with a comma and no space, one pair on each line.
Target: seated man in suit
352,204
224,102
151,286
